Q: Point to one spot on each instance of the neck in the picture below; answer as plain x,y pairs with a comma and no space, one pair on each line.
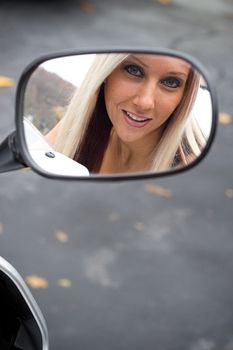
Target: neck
125,157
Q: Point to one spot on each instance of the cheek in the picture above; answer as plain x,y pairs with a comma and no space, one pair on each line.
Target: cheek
115,93
110,97
170,102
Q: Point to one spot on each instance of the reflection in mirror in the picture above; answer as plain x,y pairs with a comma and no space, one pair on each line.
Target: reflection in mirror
116,113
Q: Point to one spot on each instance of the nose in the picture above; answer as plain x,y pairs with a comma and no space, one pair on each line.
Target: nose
144,97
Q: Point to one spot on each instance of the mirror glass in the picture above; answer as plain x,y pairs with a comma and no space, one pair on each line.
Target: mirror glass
116,113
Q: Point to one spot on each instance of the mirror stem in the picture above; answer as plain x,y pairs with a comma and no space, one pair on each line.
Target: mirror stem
10,158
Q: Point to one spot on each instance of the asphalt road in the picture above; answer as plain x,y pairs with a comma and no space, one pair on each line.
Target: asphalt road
49,228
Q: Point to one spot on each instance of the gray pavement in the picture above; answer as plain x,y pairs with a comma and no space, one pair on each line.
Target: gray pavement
200,210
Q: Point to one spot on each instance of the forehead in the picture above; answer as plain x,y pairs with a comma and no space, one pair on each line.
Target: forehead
161,63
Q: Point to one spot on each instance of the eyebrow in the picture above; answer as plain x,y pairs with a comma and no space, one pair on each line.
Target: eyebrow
137,59
178,74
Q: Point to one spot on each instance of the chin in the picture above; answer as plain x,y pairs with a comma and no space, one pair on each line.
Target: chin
129,139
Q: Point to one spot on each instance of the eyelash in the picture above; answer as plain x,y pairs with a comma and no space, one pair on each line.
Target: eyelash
128,68
171,79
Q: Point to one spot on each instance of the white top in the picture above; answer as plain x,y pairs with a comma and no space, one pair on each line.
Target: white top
46,158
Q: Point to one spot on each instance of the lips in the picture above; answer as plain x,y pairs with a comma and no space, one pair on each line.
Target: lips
135,120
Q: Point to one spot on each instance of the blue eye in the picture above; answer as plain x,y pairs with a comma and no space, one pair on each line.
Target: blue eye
171,82
133,69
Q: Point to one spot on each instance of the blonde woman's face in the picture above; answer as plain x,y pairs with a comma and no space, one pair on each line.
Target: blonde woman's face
142,92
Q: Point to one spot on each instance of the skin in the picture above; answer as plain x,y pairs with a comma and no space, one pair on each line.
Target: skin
140,95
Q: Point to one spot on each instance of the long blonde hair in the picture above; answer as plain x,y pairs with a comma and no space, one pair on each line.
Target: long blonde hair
181,141
79,111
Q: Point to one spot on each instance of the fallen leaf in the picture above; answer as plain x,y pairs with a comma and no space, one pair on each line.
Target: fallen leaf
26,169
113,217
158,190
64,283
225,118
230,16
61,236
6,81
1,229
165,2
139,226
37,282
87,7
229,193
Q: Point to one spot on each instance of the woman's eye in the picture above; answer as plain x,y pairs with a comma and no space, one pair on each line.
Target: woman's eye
171,82
134,70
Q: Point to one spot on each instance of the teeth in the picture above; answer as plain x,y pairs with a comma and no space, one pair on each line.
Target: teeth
136,118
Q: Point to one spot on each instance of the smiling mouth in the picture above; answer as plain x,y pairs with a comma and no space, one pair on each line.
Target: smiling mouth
135,120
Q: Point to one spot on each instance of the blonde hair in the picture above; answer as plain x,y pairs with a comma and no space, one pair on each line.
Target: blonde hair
181,141
79,112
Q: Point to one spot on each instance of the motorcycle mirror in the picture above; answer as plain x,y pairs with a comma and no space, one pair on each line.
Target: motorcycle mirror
22,325
115,115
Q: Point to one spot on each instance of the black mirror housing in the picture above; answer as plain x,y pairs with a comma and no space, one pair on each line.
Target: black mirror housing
50,101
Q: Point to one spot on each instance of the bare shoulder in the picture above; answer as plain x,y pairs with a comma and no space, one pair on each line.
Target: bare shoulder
52,134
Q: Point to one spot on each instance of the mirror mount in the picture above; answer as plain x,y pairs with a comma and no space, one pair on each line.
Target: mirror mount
10,157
